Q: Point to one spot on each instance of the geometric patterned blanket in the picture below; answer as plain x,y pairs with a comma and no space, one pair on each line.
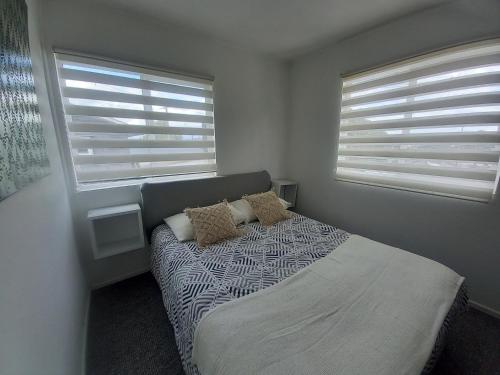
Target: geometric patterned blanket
193,281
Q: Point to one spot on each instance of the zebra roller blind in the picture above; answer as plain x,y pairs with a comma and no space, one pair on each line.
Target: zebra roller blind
429,124
125,122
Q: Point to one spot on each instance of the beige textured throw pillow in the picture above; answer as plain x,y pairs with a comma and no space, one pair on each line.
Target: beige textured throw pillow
212,223
268,208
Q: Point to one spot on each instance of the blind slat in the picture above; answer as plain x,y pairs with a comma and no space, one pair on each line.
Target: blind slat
464,83
448,186
432,137
137,158
413,103
137,129
449,55
79,93
426,169
70,58
423,76
117,174
471,120
134,114
137,143
430,117
454,151
114,80
432,81
491,127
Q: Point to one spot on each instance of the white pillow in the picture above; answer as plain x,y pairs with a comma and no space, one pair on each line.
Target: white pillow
238,216
285,203
242,206
181,226
184,230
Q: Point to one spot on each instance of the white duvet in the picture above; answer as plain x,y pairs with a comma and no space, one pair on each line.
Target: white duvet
367,308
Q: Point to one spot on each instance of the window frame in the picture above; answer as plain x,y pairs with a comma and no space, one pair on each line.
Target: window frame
415,58
62,131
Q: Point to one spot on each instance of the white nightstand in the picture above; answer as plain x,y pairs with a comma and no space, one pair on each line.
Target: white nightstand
286,189
115,230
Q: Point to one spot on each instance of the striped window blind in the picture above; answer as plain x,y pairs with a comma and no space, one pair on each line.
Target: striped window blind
428,124
126,122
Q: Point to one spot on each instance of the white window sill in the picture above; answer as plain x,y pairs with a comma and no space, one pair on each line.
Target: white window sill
139,181
427,192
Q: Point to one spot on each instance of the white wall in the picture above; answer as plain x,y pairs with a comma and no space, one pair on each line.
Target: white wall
249,99
461,234
43,291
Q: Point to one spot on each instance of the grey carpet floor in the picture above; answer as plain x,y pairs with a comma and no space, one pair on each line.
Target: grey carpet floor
129,333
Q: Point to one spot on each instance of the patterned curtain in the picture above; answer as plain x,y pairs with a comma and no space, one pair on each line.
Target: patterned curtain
23,153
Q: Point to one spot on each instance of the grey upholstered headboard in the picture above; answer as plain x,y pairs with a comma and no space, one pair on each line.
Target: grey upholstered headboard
162,199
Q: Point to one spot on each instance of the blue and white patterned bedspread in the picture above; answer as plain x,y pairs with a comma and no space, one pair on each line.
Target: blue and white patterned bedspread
195,280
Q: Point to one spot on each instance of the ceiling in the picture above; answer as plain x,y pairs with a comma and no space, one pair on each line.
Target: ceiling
283,28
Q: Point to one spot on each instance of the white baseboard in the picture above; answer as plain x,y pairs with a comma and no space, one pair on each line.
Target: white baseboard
120,278
85,331
487,310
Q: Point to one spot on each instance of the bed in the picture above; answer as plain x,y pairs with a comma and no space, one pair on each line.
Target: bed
199,284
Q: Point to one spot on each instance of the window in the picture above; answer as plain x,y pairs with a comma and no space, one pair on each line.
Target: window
124,122
428,124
